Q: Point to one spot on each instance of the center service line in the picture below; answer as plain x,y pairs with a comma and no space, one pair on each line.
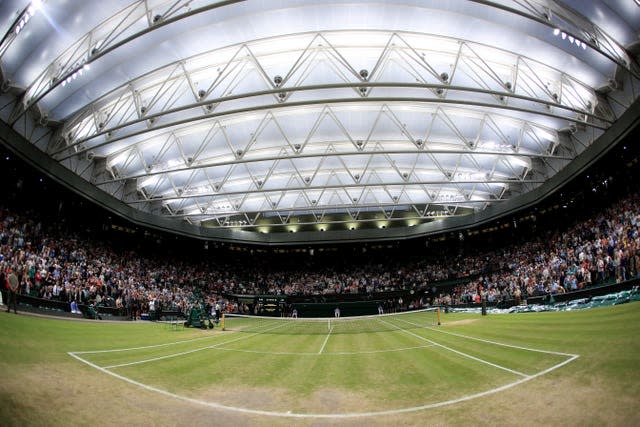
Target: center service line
325,341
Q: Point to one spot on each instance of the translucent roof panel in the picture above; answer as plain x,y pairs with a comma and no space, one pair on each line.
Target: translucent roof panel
298,115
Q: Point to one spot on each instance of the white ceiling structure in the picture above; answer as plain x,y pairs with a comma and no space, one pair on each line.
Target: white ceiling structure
240,119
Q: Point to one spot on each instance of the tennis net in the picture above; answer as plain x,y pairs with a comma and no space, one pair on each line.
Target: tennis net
335,325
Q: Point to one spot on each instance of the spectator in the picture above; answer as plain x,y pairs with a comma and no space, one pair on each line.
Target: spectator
12,289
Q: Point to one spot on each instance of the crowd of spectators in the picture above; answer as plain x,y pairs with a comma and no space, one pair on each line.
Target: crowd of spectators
53,262
604,248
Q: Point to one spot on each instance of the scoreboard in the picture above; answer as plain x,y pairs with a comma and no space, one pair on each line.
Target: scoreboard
271,305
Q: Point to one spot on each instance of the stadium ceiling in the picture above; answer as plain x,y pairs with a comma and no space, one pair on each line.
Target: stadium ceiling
291,121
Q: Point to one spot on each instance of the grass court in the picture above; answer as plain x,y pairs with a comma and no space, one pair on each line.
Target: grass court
571,368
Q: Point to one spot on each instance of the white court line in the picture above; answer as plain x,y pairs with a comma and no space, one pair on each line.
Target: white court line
349,415
477,359
145,347
169,356
325,340
217,347
378,351
333,353
493,342
502,344
323,416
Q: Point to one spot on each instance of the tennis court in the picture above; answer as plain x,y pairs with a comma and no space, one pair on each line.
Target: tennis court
329,368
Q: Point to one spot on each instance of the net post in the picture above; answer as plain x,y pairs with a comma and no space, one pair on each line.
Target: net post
438,314
222,321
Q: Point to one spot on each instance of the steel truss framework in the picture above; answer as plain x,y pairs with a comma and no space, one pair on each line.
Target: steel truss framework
348,127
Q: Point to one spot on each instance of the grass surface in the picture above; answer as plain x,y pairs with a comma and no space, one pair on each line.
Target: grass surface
327,373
